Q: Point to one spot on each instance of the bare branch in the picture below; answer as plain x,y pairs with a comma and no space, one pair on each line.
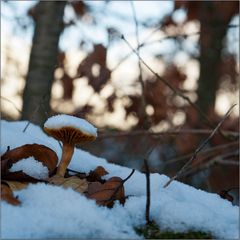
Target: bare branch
175,90
169,132
148,192
146,124
200,148
205,153
6,99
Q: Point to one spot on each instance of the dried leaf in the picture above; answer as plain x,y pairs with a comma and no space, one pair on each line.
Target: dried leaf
105,194
77,184
95,60
15,185
225,195
79,8
5,165
41,153
96,174
67,86
7,195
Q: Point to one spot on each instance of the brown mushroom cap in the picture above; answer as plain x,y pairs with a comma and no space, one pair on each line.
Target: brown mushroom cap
70,135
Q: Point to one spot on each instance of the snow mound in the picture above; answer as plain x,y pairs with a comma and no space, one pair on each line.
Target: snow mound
49,212
53,212
31,167
63,120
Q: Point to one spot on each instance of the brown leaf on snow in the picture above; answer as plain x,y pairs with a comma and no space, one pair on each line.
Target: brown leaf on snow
105,194
15,185
225,195
77,184
7,195
96,174
39,152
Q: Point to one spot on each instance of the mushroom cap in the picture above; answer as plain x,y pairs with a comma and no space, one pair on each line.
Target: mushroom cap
70,129
69,135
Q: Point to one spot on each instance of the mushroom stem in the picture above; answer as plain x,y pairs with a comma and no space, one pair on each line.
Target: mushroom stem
67,152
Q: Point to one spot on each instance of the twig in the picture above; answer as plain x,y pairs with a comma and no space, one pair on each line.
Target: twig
34,112
143,99
6,99
144,43
169,132
120,185
148,192
74,171
175,90
209,164
200,148
203,153
124,180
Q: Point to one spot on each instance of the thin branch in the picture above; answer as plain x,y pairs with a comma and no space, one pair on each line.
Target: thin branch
148,192
34,112
124,180
6,99
119,187
169,132
145,43
200,148
175,90
143,99
207,152
209,164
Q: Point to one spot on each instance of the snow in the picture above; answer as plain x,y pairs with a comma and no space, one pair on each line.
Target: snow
53,212
31,167
63,120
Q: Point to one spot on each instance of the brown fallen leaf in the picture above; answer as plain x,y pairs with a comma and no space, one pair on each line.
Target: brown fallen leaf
105,194
7,195
225,195
5,165
15,185
96,174
77,184
40,153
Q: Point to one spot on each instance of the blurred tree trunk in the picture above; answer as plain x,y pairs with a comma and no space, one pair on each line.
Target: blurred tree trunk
43,60
213,31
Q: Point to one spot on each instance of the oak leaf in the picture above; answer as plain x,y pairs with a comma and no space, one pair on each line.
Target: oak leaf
105,194
97,174
77,184
7,195
39,152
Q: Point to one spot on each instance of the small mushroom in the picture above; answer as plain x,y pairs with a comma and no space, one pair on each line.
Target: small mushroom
70,131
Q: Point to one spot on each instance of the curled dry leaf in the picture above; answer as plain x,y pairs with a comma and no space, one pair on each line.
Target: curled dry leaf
40,153
225,195
97,174
15,185
77,184
105,194
5,165
7,195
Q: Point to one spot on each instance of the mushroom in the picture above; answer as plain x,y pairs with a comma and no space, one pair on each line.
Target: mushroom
70,131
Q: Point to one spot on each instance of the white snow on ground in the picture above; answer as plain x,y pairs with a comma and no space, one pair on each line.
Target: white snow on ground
51,211
63,120
31,167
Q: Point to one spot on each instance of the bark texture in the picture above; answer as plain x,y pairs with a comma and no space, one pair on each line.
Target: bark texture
214,26
43,60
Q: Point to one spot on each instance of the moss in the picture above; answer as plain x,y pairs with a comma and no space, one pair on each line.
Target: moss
152,231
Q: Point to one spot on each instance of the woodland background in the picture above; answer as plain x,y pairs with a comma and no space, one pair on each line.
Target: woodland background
81,58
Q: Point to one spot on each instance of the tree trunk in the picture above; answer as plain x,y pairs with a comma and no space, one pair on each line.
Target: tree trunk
213,31
43,61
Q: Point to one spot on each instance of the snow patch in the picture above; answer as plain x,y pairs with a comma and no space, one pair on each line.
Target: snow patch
53,212
31,167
